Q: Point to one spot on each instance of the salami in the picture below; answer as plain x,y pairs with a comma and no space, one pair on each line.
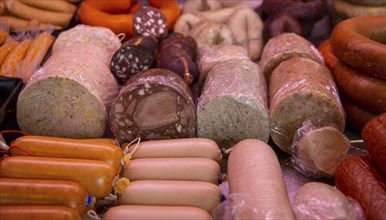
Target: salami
135,55
149,21
177,54
284,47
70,95
233,104
154,104
302,89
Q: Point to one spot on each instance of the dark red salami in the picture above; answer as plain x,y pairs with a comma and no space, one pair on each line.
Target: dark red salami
177,54
149,21
154,104
135,55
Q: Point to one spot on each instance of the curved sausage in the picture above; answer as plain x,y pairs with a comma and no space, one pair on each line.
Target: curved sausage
193,169
356,117
135,212
95,176
171,193
366,50
254,171
38,212
330,59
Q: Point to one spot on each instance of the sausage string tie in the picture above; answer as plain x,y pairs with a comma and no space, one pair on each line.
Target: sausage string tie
121,36
93,215
247,40
128,155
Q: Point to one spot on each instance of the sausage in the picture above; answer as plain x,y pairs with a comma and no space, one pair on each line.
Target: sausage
316,200
170,9
175,148
366,52
356,117
194,169
149,21
357,178
374,139
198,194
233,105
154,104
3,36
135,55
345,9
254,171
202,5
134,212
177,54
68,96
283,47
103,149
95,176
367,92
301,89
44,192
368,2
329,58
58,6
15,58
277,24
38,212
6,48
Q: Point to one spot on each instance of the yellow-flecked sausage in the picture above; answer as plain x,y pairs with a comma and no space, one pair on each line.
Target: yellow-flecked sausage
14,58
199,194
183,147
44,192
35,54
135,212
38,212
6,48
196,169
103,149
94,175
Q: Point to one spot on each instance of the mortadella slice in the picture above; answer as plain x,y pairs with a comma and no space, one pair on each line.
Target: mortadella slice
154,104
233,105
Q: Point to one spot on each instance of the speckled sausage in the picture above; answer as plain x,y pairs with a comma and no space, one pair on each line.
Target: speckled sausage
149,21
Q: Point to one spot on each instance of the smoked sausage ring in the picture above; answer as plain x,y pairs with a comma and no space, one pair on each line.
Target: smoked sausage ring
346,10
280,23
368,2
360,43
305,10
367,92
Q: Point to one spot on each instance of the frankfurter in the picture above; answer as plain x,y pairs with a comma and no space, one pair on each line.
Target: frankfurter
254,171
43,192
38,212
171,193
357,177
6,48
172,148
365,91
366,51
374,139
103,149
195,169
135,212
95,176
55,6
15,58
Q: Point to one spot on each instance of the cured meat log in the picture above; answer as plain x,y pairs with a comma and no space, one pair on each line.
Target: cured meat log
233,104
154,104
71,94
302,89
135,55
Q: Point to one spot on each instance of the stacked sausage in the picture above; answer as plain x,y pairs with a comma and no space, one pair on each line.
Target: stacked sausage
360,71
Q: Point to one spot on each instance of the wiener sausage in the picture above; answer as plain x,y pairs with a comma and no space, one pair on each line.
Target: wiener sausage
6,48
135,212
43,192
15,58
357,177
55,6
196,169
172,148
103,149
172,193
365,91
38,212
374,138
366,51
256,164
95,176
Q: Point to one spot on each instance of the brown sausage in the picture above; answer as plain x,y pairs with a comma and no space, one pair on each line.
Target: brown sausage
374,138
95,176
43,192
357,177
367,92
38,212
356,117
360,43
